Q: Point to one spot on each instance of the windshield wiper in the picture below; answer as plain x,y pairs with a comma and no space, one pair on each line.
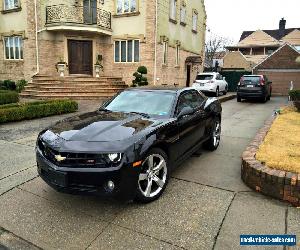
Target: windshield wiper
140,113
104,110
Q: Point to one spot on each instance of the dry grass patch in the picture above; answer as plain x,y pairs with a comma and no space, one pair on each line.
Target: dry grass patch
281,147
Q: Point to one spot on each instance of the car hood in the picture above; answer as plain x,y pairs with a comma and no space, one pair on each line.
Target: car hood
101,126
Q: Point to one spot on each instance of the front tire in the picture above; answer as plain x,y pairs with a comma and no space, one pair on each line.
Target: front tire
153,177
215,137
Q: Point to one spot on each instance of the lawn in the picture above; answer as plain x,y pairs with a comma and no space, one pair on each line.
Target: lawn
281,147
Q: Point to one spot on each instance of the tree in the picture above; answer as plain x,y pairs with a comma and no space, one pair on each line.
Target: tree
214,45
140,80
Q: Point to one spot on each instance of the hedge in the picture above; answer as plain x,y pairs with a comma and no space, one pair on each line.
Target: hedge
295,95
31,110
7,96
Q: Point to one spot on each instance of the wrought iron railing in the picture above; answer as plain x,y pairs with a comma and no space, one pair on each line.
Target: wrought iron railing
78,15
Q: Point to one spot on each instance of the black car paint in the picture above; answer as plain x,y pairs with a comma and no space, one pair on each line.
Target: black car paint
258,91
131,134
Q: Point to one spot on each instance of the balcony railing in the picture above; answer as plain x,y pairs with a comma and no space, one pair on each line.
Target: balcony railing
69,14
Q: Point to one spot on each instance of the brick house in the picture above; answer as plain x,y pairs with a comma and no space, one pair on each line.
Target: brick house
281,68
122,34
256,46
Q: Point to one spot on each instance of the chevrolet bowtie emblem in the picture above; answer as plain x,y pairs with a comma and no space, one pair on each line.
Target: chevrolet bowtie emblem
60,158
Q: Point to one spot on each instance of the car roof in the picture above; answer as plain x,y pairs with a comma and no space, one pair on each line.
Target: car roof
252,75
161,88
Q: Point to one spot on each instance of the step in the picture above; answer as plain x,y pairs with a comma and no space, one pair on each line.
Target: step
102,91
77,84
79,79
71,88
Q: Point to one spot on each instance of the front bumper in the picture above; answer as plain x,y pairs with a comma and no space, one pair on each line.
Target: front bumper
90,181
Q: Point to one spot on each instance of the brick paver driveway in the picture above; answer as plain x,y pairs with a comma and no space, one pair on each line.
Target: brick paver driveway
206,205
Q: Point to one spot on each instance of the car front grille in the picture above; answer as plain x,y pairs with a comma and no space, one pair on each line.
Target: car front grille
73,160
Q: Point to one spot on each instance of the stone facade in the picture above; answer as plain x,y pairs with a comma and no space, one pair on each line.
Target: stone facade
52,44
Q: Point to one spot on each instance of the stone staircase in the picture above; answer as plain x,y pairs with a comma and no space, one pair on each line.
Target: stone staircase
73,87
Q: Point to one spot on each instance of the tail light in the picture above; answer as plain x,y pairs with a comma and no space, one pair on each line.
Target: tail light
262,81
240,83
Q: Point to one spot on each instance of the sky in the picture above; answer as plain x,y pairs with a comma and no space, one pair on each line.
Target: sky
228,18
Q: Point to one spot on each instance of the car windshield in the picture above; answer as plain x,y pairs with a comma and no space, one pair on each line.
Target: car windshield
147,102
204,77
250,79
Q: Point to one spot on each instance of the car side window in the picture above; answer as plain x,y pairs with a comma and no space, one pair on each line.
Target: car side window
190,99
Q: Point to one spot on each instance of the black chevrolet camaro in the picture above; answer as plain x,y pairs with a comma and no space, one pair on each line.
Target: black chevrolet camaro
128,148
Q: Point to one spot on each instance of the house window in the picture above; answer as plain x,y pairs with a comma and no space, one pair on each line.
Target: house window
173,9
127,51
165,52
177,62
11,4
126,6
13,48
183,13
195,20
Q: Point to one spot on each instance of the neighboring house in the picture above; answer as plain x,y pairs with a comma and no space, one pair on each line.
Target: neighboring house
216,63
281,68
255,46
122,34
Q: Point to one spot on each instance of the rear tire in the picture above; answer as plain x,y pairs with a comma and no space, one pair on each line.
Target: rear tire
154,176
238,99
214,141
264,99
217,92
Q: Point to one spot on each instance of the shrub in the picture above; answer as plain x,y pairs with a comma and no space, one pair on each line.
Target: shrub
9,85
140,80
295,97
21,85
25,111
7,96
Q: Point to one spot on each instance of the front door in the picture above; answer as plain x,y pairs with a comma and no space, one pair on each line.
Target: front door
80,57
188,75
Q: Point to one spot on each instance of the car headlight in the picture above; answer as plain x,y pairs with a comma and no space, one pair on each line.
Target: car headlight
115,157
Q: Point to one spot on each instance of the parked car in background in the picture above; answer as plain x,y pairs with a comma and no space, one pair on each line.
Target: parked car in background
129,147
211,83
254,86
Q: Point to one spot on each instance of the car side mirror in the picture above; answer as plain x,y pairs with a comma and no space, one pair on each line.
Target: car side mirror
224,78
185,111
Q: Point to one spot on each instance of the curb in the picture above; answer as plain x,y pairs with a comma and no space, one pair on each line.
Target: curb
227,98
282,185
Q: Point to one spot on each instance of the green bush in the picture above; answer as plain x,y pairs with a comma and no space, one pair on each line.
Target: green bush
295,97
9,85
21,85
7,96
140,80
25,111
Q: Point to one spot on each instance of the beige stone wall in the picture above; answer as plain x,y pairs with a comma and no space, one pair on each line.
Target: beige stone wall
20,69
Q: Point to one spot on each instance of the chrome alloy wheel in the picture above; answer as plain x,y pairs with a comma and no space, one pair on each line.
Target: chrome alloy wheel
153,177
217,133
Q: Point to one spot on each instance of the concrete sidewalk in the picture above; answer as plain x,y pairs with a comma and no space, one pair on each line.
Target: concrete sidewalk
205,206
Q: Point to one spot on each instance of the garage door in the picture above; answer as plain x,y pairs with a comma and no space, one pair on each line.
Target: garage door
282,80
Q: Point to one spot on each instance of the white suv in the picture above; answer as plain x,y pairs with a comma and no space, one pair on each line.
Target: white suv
211,82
